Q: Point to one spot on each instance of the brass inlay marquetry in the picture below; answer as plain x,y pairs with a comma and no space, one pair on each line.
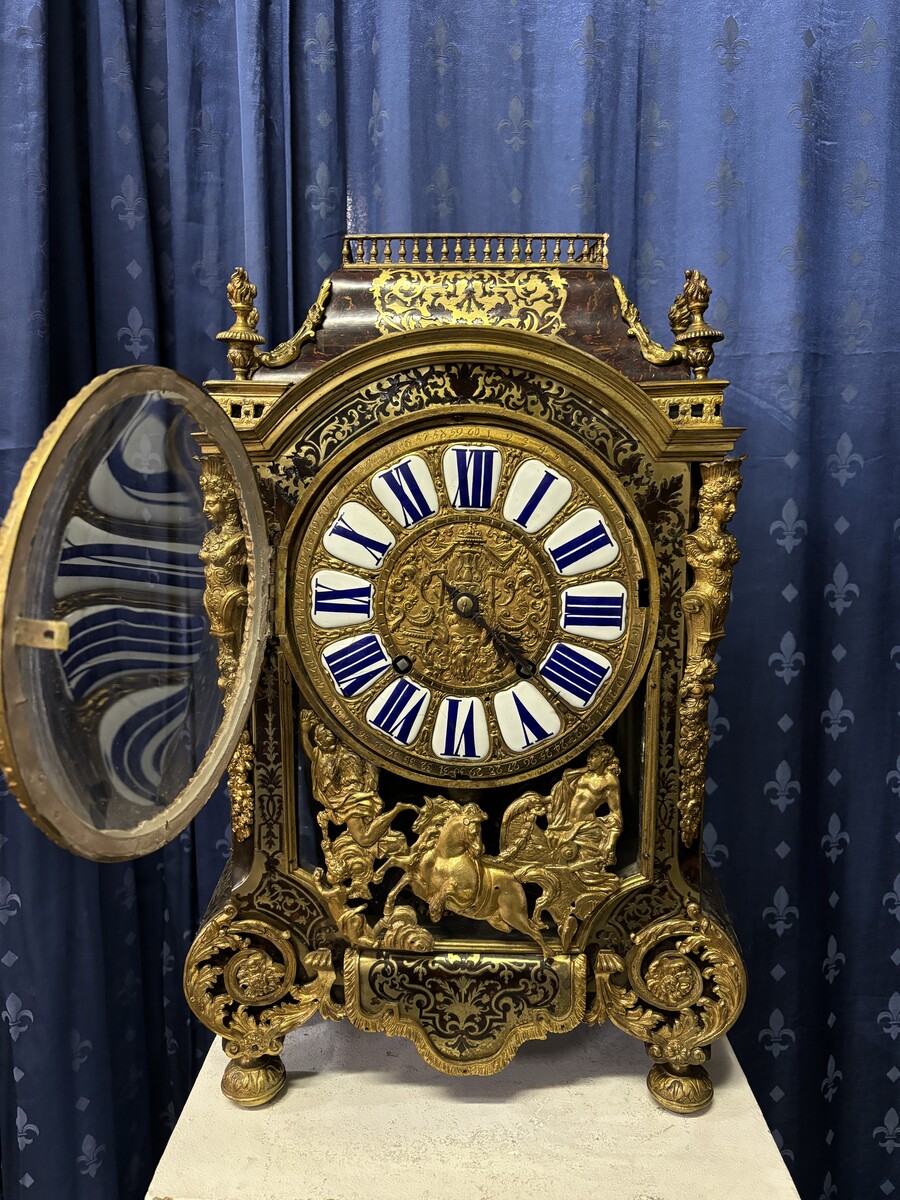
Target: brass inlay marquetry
466,1012
532,300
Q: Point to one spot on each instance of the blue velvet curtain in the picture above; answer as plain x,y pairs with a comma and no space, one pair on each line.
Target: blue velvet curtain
148,146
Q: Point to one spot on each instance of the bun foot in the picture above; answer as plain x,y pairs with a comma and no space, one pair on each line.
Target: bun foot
682,1089
251,1082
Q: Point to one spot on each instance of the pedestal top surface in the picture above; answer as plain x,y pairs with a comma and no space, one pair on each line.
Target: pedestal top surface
363,1118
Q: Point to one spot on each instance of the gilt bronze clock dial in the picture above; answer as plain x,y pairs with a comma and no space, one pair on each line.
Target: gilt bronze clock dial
465,728
468,600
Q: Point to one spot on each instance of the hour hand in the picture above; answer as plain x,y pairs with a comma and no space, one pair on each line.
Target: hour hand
467,606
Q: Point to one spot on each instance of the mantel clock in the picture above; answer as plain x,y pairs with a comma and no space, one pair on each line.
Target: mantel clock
439,583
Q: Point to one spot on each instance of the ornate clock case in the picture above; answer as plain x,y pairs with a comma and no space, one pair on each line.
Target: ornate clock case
440,581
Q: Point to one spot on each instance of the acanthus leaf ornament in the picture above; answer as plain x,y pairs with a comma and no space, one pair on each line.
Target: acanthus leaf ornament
285,353
680,987
240,980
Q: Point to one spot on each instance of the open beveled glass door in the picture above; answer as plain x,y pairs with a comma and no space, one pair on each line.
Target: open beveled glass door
134,569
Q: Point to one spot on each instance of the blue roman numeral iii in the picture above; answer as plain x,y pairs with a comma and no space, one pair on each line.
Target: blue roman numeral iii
573,672
405,487
606,612
355,664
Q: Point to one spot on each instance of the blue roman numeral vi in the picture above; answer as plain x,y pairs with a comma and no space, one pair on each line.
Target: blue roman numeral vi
459,738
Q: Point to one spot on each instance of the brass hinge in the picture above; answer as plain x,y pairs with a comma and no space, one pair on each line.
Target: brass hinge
41,635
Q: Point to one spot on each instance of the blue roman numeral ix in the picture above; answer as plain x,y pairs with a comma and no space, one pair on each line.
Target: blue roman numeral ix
574,672
342,600
397,715
355,665
459,738
581,546
377,549
403,484
475,477
535,498
604,611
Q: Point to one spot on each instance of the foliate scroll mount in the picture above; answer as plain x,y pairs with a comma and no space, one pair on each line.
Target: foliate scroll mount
693,337
243,340
289,350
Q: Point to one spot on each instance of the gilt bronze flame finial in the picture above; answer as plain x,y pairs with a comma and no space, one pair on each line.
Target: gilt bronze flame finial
686,317
242,337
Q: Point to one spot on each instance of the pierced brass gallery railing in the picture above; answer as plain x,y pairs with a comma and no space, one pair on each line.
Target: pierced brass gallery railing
455,249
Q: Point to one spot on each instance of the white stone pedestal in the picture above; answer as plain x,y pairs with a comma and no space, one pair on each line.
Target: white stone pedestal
363,1118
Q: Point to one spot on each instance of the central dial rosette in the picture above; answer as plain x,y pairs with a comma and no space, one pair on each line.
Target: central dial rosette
498,578
461,598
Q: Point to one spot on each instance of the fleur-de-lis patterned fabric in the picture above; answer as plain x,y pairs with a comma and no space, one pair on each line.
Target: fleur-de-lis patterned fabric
149,146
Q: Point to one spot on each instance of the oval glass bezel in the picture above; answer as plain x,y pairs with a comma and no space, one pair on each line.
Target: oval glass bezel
22,727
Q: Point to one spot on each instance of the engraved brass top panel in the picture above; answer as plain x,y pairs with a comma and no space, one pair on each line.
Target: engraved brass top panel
421,298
